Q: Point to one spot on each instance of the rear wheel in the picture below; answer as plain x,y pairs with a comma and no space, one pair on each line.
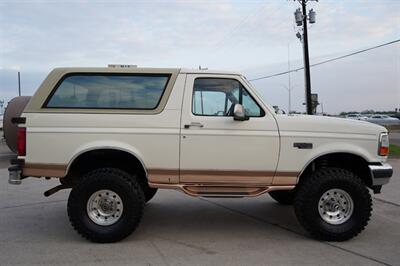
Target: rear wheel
333,204
284,197
106,206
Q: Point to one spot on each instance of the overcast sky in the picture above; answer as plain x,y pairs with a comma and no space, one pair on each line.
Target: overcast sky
247,36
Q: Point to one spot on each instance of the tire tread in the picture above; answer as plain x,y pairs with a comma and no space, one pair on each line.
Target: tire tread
310,185
91,179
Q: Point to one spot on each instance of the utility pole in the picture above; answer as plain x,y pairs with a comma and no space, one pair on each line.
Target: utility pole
289,80
301,20
19,84
307,77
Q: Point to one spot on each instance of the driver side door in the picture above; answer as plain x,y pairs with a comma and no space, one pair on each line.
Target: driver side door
216,149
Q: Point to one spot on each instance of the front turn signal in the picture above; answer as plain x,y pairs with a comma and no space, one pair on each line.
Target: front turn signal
383,147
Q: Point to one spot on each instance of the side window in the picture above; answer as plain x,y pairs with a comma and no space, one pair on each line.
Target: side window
114,91
250,106
209,103
217,97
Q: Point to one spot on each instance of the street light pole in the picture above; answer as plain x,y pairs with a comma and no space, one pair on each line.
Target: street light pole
322,108
289,89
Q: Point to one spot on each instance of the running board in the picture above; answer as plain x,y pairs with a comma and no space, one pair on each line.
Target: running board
210,191
223,191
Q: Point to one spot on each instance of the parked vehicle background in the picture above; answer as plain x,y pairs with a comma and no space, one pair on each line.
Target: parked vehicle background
383,120
356,117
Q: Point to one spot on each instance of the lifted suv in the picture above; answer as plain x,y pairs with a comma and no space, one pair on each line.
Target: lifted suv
116,135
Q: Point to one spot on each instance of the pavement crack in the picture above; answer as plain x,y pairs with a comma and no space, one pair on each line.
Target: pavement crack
163,258
195,247
387,202
293,231
31,204
356,253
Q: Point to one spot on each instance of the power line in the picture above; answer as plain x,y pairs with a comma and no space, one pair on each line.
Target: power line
327,61
254,13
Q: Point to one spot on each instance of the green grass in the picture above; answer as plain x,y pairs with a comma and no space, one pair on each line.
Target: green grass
394,151
393,128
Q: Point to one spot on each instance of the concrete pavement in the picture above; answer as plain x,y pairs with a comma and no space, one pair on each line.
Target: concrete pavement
180,230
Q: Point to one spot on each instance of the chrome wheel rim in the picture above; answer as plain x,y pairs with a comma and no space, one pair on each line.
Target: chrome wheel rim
104,207
335,206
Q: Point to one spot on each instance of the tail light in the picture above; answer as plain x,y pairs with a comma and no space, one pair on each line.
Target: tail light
383,146
21,143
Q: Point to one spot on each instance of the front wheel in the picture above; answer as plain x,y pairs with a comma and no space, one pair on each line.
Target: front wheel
106,206
333,204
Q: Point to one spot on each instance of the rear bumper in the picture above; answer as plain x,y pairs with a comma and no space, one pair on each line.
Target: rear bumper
380,174
15,172
14,175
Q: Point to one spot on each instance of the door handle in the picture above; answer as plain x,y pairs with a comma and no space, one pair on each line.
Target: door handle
193,124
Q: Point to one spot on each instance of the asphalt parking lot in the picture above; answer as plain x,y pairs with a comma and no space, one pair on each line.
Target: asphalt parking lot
180,230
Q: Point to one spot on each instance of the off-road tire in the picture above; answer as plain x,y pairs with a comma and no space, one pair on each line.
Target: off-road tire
309,192
127,188
284,197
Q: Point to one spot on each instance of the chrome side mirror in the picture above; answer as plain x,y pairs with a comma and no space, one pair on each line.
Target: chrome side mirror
239,113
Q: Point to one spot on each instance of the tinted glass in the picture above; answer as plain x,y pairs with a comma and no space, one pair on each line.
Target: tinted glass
217,97
109,91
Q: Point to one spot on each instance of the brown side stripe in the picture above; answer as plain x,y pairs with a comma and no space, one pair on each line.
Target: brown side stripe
287,174
48,170
59,170
163,171
226,173
220,172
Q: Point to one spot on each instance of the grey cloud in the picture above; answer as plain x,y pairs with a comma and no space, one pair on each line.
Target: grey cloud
365,81
38,36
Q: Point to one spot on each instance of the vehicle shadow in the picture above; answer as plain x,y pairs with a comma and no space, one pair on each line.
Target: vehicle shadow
218,217
170,215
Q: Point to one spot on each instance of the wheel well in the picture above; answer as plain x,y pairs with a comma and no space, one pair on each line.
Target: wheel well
348,161
100,158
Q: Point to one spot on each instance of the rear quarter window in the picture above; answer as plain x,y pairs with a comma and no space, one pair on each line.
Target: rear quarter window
108,91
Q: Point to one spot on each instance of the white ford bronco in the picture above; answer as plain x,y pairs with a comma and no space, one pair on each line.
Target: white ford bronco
116,135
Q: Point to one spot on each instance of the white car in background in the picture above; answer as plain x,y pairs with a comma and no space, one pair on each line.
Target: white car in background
356,117
1,121
383,120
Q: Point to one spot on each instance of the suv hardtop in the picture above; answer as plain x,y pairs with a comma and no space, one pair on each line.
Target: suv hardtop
116,135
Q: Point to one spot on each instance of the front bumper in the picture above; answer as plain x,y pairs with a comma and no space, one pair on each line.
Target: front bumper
380,174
